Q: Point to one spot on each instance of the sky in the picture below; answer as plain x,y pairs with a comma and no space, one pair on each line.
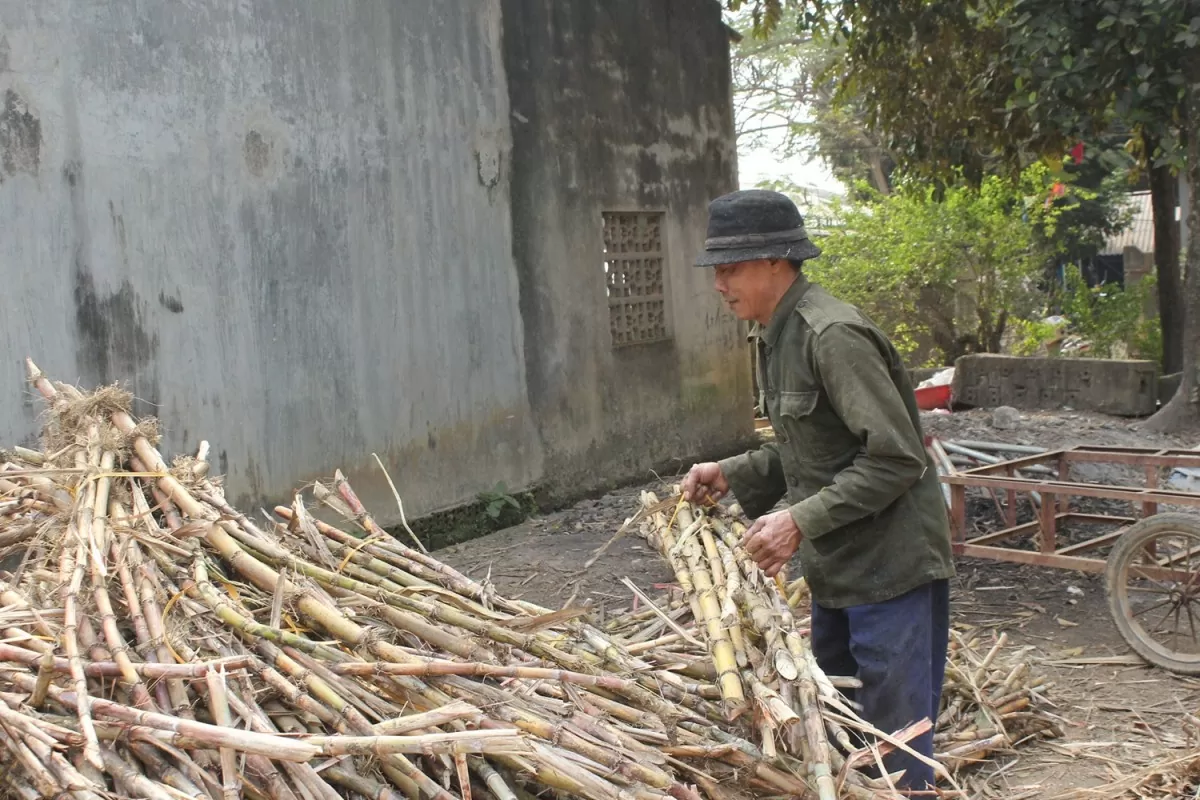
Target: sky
762,164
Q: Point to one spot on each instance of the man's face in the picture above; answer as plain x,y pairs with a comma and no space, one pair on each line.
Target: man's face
749,288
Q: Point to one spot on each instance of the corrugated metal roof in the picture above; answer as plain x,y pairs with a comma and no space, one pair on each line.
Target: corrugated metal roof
1140,233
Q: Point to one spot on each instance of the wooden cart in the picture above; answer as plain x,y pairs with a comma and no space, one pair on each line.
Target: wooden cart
1152,566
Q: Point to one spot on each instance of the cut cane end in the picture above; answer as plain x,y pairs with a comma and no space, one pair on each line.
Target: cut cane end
786,666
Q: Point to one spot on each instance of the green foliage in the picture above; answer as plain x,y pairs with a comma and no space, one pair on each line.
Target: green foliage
1109,318
971,86
945,275
1029,336
1080,68
922,74
497,500
967,88
784,84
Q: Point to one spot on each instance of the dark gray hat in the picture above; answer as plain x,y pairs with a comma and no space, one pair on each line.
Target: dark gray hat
752,225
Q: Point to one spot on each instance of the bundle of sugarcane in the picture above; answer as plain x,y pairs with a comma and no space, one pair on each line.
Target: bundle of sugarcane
158,643
723,621
731,624
990,702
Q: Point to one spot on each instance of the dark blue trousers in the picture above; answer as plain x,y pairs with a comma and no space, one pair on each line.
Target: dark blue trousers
897,648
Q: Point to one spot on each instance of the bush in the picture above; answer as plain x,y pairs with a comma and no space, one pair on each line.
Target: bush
1109,318
944,274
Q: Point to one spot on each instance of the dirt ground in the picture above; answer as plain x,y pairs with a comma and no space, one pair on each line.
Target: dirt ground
1117,717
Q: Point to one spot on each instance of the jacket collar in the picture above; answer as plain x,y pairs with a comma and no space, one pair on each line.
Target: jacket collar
770,333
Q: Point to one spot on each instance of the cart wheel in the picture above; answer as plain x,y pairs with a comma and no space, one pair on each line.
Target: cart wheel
1153,582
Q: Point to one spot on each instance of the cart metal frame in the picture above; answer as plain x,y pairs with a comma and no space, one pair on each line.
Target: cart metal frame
1055,509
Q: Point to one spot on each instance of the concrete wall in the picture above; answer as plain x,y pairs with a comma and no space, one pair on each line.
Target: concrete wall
1122,388
274,224
621,105
289,230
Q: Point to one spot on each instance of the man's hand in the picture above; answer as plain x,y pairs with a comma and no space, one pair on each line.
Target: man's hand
705,482
771,541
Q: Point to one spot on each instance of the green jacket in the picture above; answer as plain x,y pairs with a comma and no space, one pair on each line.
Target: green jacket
849,453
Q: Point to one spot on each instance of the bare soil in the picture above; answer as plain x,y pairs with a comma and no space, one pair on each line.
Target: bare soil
1118,717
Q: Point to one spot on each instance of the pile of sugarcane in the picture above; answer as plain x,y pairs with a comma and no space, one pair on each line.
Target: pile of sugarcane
158,643
990,701
727,622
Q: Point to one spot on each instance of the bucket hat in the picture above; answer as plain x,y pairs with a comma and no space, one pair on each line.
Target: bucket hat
754,224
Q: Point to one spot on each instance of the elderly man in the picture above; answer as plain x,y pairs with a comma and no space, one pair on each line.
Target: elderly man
864,509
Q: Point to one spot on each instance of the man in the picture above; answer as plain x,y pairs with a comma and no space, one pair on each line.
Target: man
864,508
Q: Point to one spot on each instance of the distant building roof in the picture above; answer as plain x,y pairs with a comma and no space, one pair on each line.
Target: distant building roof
1140,233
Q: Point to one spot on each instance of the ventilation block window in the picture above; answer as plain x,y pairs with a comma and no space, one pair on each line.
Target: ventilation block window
633,270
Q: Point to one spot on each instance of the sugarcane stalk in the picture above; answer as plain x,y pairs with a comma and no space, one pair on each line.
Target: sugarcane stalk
399,769
368,703
430,668
492,779
306,778
728,615
450,712
136,784
46,667
719,643
274,746
666,545
373,790
452,616
72,570
122,554
539,727
405,620
167,773
219,708
814,726
110,669
377,550
481,741
453,577
43,781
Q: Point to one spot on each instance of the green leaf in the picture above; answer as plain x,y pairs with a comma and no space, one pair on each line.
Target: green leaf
1068,61
1143,88
1106,23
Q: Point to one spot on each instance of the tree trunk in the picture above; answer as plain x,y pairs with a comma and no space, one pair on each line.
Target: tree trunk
1183,410
879,176
1164,196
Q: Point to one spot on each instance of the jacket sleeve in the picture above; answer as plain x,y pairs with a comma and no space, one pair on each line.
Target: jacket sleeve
892,457
756,479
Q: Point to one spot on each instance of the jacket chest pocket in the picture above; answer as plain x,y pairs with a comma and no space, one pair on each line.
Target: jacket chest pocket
810,432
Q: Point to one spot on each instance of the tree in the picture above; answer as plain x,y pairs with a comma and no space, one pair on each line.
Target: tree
1094,204
949,272
980,82
1085,67
784,84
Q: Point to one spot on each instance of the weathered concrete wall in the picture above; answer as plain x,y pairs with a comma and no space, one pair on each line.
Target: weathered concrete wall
287,227
305,234
621,106
1123,388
